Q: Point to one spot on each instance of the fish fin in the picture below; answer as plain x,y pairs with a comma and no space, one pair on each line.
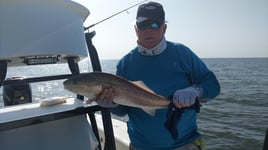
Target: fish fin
143,86
149,111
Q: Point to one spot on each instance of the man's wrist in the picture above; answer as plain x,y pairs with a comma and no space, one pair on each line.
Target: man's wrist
199,90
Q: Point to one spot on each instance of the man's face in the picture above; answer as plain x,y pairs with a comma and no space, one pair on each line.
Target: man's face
150,33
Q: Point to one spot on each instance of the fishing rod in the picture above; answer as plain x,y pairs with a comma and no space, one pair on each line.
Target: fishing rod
86,28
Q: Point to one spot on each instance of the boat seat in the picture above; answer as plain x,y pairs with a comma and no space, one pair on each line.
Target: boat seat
67,134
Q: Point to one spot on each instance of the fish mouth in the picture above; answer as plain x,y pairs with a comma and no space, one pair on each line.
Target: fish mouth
66,83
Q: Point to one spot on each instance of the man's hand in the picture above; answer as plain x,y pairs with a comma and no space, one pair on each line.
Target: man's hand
186,97
105,98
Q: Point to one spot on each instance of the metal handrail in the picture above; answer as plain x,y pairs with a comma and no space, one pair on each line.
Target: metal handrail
106,116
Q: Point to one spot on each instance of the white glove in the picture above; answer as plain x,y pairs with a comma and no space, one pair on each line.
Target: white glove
186,97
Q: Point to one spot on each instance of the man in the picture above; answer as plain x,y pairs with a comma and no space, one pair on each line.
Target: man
169,69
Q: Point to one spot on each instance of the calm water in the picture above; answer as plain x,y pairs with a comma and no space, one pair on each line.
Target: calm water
237,119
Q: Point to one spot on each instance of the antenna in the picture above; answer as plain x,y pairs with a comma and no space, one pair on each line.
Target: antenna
86,28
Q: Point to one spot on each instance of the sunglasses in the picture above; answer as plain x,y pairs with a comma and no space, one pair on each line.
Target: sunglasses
148,25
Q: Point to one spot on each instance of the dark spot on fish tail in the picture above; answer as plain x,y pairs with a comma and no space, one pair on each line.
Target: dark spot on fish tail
170,97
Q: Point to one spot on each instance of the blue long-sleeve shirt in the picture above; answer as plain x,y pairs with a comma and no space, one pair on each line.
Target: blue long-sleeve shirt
175,68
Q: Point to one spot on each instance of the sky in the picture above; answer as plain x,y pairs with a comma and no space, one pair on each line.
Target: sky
210,28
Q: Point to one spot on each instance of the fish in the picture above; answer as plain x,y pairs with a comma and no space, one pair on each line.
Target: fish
128,93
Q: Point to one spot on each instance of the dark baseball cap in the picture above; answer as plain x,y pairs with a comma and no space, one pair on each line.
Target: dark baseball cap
150,11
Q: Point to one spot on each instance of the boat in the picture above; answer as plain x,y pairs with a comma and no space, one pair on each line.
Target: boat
38,32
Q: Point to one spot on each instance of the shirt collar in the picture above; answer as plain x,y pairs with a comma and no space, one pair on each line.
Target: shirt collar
158,49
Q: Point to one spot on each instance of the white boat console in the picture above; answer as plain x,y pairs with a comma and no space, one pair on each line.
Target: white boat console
41,32
36,32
